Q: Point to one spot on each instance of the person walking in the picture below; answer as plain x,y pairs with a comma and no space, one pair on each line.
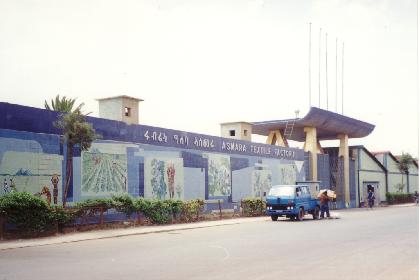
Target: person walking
416,197
323,199
371,198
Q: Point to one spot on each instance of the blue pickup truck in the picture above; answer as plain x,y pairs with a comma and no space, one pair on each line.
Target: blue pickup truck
292,201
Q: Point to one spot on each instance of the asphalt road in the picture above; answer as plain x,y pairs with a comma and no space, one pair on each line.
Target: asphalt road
378,244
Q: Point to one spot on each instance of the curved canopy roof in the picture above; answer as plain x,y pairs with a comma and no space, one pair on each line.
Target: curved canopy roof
327,123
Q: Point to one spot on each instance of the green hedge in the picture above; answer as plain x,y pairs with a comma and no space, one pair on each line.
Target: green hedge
32,214
397,198
253,207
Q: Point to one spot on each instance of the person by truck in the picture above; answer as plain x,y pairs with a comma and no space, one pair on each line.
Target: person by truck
324,200
292,201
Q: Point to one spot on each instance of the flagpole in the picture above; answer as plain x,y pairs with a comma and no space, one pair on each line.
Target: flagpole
309,71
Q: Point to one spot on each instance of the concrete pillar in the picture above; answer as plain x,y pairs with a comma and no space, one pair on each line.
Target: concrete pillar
276,138
344,152
311,146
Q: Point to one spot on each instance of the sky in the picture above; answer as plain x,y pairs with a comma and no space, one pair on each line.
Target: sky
199,63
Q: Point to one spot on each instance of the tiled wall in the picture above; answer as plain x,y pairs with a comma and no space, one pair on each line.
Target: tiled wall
127,161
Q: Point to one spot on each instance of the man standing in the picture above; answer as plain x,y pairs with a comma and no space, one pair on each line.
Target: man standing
323,199
371,198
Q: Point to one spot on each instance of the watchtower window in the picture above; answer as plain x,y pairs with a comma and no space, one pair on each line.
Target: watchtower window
245,132
127,111
232,132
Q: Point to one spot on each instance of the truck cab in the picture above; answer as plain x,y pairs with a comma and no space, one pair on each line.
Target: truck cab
292,201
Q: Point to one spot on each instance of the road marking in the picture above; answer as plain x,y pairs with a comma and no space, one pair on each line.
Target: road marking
227,255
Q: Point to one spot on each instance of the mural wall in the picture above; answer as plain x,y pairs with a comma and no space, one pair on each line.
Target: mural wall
109,168
219,171
137,160
164,178
157,172
28,163
261,182
103,173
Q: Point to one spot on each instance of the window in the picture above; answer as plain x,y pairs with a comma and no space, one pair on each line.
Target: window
282,191
127,111
245,132
232,132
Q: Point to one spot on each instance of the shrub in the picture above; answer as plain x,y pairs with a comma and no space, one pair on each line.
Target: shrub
157,211
125,204
397,198
91,207
140,204
105,203
176,207
253,207
61,216
30,214
192,209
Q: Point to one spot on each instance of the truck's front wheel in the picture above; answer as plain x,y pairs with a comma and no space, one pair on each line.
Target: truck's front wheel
274,218
300,214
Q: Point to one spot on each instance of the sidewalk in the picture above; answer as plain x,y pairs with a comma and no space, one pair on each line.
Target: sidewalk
111,233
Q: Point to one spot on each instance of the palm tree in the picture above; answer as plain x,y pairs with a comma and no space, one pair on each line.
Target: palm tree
63,104
76,131
404,162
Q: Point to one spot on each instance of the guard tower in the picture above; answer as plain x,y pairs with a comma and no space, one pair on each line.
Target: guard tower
236,130
317,125
120,108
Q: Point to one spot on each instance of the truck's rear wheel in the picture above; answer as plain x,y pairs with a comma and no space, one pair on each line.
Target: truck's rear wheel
274,218
315,214
300,214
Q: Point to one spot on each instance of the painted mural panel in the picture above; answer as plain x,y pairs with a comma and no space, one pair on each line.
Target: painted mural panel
288,174
164,178
36,173
104,169
219,175
261,182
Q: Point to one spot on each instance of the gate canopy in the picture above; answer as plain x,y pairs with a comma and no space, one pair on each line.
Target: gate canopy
327,123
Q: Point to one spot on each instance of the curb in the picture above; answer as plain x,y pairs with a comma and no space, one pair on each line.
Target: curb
100,234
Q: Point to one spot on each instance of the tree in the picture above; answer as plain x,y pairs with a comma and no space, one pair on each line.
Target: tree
76,131
404,162
63,105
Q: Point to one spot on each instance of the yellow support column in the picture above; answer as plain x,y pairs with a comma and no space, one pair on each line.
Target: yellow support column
344,152
311,146
275,138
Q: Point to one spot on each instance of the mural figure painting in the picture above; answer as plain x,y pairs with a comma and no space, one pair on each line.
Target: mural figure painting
45,191
5,186
54,180
12,185
170,171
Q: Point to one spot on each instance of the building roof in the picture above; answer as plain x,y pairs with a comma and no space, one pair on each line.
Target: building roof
376,153
371,155
118,97
235,123
327,123
380,152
